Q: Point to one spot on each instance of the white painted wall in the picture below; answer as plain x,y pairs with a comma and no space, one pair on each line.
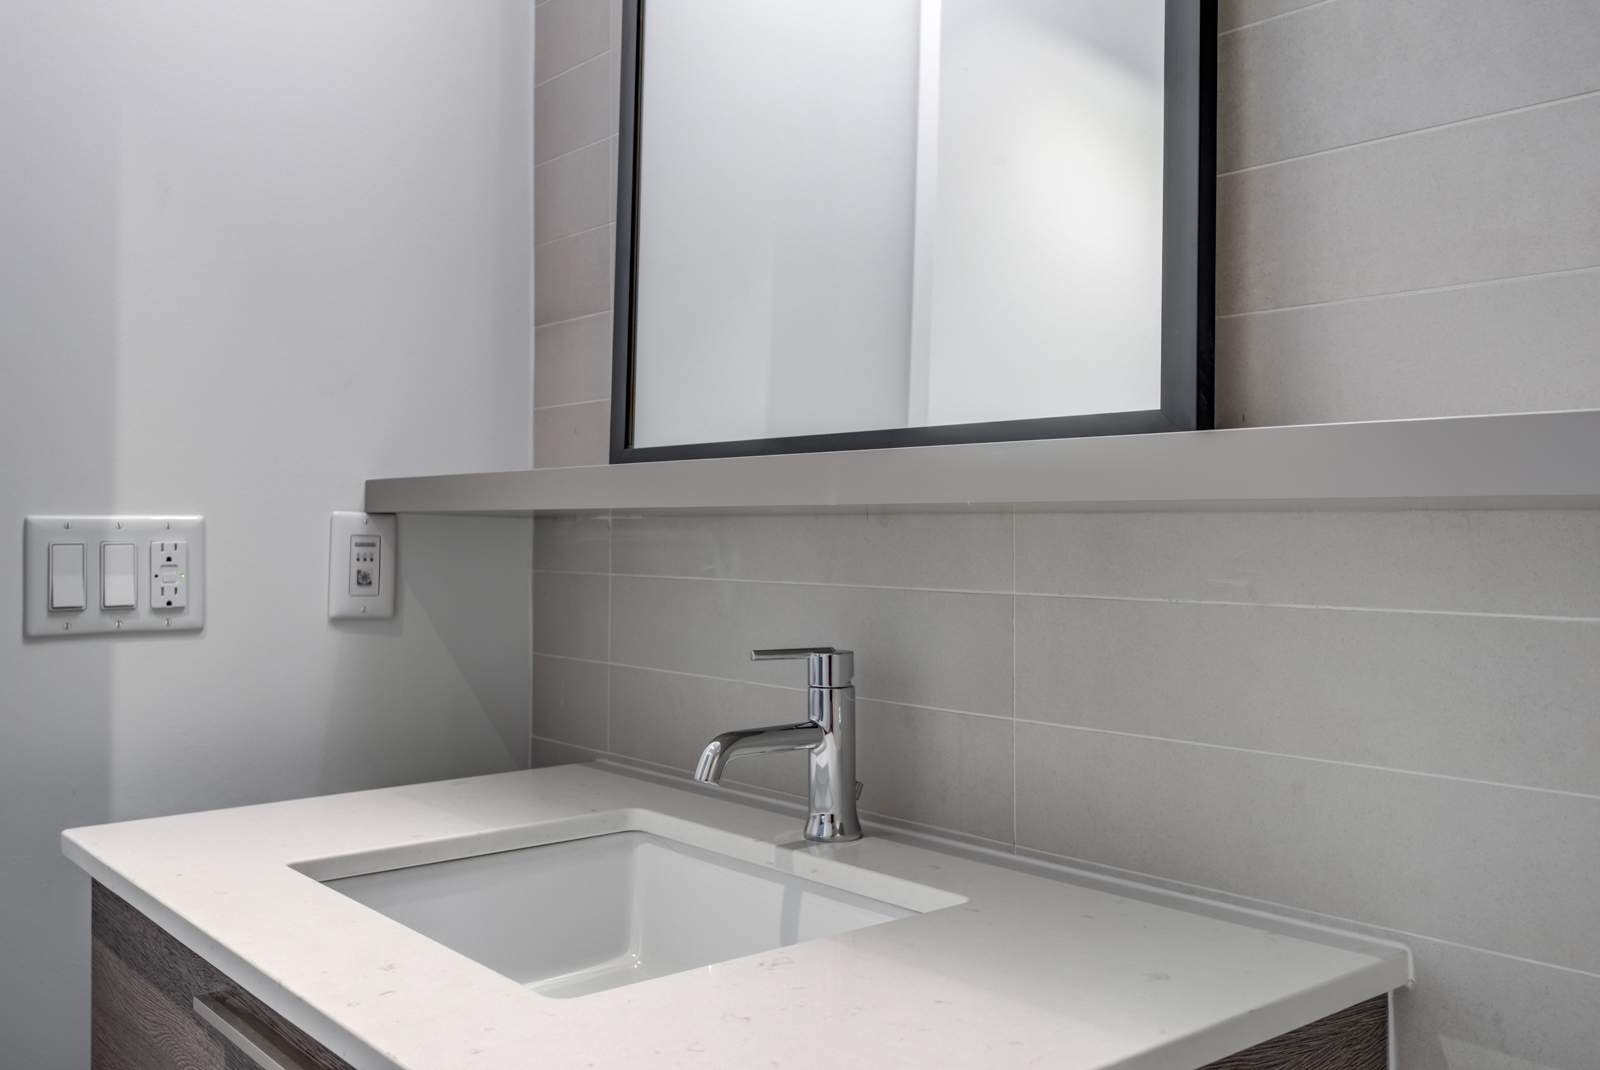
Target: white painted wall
250,255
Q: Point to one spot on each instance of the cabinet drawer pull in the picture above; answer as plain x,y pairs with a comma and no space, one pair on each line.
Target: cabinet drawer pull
265,1048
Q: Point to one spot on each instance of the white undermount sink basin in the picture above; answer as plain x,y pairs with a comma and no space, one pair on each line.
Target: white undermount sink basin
571,918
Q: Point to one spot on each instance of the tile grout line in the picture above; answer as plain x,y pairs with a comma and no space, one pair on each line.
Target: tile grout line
1486,117
1308,606
1274,18
602,312
533,535
774,687
569,152
1479,284
1015,790
581,63
1395,770
609,555
568,237
568,405
533,371
1018,721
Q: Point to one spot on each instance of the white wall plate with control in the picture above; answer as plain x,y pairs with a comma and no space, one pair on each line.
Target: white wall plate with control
83,575
362,566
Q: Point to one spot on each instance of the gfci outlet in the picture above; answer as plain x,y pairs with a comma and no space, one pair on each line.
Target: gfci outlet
361,566
169,575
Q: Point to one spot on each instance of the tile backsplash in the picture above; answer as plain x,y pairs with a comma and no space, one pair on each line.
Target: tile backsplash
1380,720
1385,721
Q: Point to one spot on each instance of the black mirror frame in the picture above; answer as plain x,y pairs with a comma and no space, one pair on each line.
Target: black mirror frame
1188,298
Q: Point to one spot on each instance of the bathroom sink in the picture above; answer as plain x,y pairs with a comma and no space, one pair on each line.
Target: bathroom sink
567,919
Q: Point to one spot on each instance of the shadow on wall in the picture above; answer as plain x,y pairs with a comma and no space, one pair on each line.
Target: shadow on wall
58,343
464,582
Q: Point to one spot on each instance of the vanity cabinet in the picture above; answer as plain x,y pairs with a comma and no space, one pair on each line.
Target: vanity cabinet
1356,1038
159,1006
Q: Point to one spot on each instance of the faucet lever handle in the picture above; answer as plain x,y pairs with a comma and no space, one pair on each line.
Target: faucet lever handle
788,653
826,667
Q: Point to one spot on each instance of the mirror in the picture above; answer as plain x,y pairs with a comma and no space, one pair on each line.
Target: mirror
850,224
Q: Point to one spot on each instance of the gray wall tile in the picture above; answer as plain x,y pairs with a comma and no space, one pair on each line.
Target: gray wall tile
667,719
547,752
1481,561
573,361
916,647
1474,1011
570,435
1231,14
1507,196
575,192
569,32
571,544
1356,70
1500,699
965,551
569,615
576,108
1468,1009
569,701
1497,868
574,276
1526,345
949,770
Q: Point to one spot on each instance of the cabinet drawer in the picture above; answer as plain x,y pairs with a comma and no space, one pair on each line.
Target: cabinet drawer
159,1006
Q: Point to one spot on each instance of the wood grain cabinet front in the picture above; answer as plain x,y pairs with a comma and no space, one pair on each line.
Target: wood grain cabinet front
159,1006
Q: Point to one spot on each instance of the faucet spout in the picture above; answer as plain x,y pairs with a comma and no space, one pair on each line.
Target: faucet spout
829,735
714,759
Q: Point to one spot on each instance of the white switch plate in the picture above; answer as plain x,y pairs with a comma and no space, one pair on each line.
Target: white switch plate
361,566
108,585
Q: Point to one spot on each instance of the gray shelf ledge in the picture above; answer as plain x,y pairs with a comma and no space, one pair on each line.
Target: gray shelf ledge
1522,460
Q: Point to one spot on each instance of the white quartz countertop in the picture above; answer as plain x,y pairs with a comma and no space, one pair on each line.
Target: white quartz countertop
1064,971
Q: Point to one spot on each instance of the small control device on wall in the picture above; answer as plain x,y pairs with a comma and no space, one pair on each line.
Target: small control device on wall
361,566
83,575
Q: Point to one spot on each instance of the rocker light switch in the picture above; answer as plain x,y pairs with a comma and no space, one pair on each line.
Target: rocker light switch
361,566
66,576
117,572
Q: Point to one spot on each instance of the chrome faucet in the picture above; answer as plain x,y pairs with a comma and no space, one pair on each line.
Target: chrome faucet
830,736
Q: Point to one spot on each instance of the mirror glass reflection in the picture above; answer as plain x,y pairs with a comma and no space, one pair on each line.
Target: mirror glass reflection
855,215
